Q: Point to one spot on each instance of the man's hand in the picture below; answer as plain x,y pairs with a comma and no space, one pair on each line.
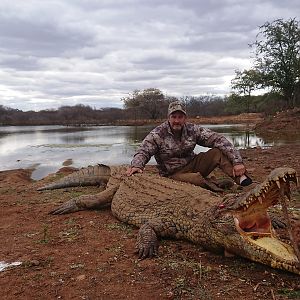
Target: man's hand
131,170
239,170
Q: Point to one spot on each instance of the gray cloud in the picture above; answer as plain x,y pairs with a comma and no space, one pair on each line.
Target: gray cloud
65,52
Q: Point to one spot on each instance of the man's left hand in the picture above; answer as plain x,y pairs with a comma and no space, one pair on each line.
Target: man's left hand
238,170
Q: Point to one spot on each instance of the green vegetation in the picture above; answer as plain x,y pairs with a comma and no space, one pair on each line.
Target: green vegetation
276,63
291,294
45,235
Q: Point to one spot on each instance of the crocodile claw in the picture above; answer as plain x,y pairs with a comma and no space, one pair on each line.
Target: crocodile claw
68,207
147,243
277,223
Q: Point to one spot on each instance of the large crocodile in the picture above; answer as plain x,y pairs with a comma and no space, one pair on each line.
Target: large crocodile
161,207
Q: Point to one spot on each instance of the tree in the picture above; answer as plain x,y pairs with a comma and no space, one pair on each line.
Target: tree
277,57
148,102
245,83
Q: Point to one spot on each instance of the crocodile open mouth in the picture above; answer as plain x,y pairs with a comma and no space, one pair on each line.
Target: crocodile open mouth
252,219
258,225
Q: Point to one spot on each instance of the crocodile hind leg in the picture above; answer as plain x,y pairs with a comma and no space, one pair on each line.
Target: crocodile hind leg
85,202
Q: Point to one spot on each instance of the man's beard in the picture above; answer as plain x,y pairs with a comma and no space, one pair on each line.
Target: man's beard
177,128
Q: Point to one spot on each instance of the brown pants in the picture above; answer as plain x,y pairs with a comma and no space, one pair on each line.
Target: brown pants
203,163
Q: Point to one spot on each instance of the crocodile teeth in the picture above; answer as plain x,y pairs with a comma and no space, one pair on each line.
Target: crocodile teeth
284,179
260,200
278,183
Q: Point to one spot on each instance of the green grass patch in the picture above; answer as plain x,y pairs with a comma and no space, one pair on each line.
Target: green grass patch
291,294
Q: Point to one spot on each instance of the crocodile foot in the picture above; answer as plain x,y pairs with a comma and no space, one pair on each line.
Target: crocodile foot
277,222
68,207
147,243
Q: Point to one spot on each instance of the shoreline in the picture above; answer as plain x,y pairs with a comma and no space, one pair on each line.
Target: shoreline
245,118
277,155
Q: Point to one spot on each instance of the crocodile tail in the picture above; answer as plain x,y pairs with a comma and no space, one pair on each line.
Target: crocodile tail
92,175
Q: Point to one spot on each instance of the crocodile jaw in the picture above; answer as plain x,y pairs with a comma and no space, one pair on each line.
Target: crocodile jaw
251,233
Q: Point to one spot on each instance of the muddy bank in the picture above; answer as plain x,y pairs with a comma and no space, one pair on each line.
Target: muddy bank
282,123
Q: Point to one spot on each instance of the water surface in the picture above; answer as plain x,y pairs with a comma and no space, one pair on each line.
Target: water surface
47,147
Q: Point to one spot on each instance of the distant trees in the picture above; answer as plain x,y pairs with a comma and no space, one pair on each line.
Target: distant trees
65,115
7,114
78,114
276,62
207,105
139,108
149,103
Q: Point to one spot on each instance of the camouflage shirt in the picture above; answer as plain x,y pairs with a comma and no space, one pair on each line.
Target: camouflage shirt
173,153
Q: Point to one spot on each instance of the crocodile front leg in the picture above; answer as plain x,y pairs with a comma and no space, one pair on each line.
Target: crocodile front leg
85,202
147,243
147,239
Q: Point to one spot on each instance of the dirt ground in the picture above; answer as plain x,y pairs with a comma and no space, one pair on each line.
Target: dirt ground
89,254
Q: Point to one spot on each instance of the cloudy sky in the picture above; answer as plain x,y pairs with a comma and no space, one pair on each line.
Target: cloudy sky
94,52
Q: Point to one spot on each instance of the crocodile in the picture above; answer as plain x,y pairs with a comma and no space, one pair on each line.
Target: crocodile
237,224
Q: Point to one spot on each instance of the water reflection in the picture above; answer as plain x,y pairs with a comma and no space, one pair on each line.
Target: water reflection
247,139
50,146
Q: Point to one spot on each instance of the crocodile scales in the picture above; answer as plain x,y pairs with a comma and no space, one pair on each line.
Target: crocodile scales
162,207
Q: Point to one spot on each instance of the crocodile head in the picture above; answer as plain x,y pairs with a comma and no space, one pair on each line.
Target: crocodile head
243,226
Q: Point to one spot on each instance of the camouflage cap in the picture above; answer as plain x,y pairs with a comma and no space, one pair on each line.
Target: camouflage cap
176,106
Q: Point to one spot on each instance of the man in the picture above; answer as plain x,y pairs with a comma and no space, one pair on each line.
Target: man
172,143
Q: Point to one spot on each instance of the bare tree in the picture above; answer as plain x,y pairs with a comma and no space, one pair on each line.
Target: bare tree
148,103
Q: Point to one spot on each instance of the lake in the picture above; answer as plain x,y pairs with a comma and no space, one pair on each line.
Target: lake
46,148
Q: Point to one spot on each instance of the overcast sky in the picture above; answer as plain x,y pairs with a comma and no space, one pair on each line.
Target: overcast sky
94,52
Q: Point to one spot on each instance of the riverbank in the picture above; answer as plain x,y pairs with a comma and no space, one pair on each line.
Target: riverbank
282,123
246,118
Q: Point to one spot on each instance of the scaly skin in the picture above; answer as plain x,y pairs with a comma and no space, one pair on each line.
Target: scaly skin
162,207
92,175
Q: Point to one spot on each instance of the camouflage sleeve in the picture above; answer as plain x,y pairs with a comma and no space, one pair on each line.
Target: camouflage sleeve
147,149
211,139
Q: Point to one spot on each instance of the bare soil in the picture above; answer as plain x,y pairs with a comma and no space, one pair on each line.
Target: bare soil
282,123
90,254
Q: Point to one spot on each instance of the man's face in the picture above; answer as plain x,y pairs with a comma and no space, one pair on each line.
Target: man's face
177,120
